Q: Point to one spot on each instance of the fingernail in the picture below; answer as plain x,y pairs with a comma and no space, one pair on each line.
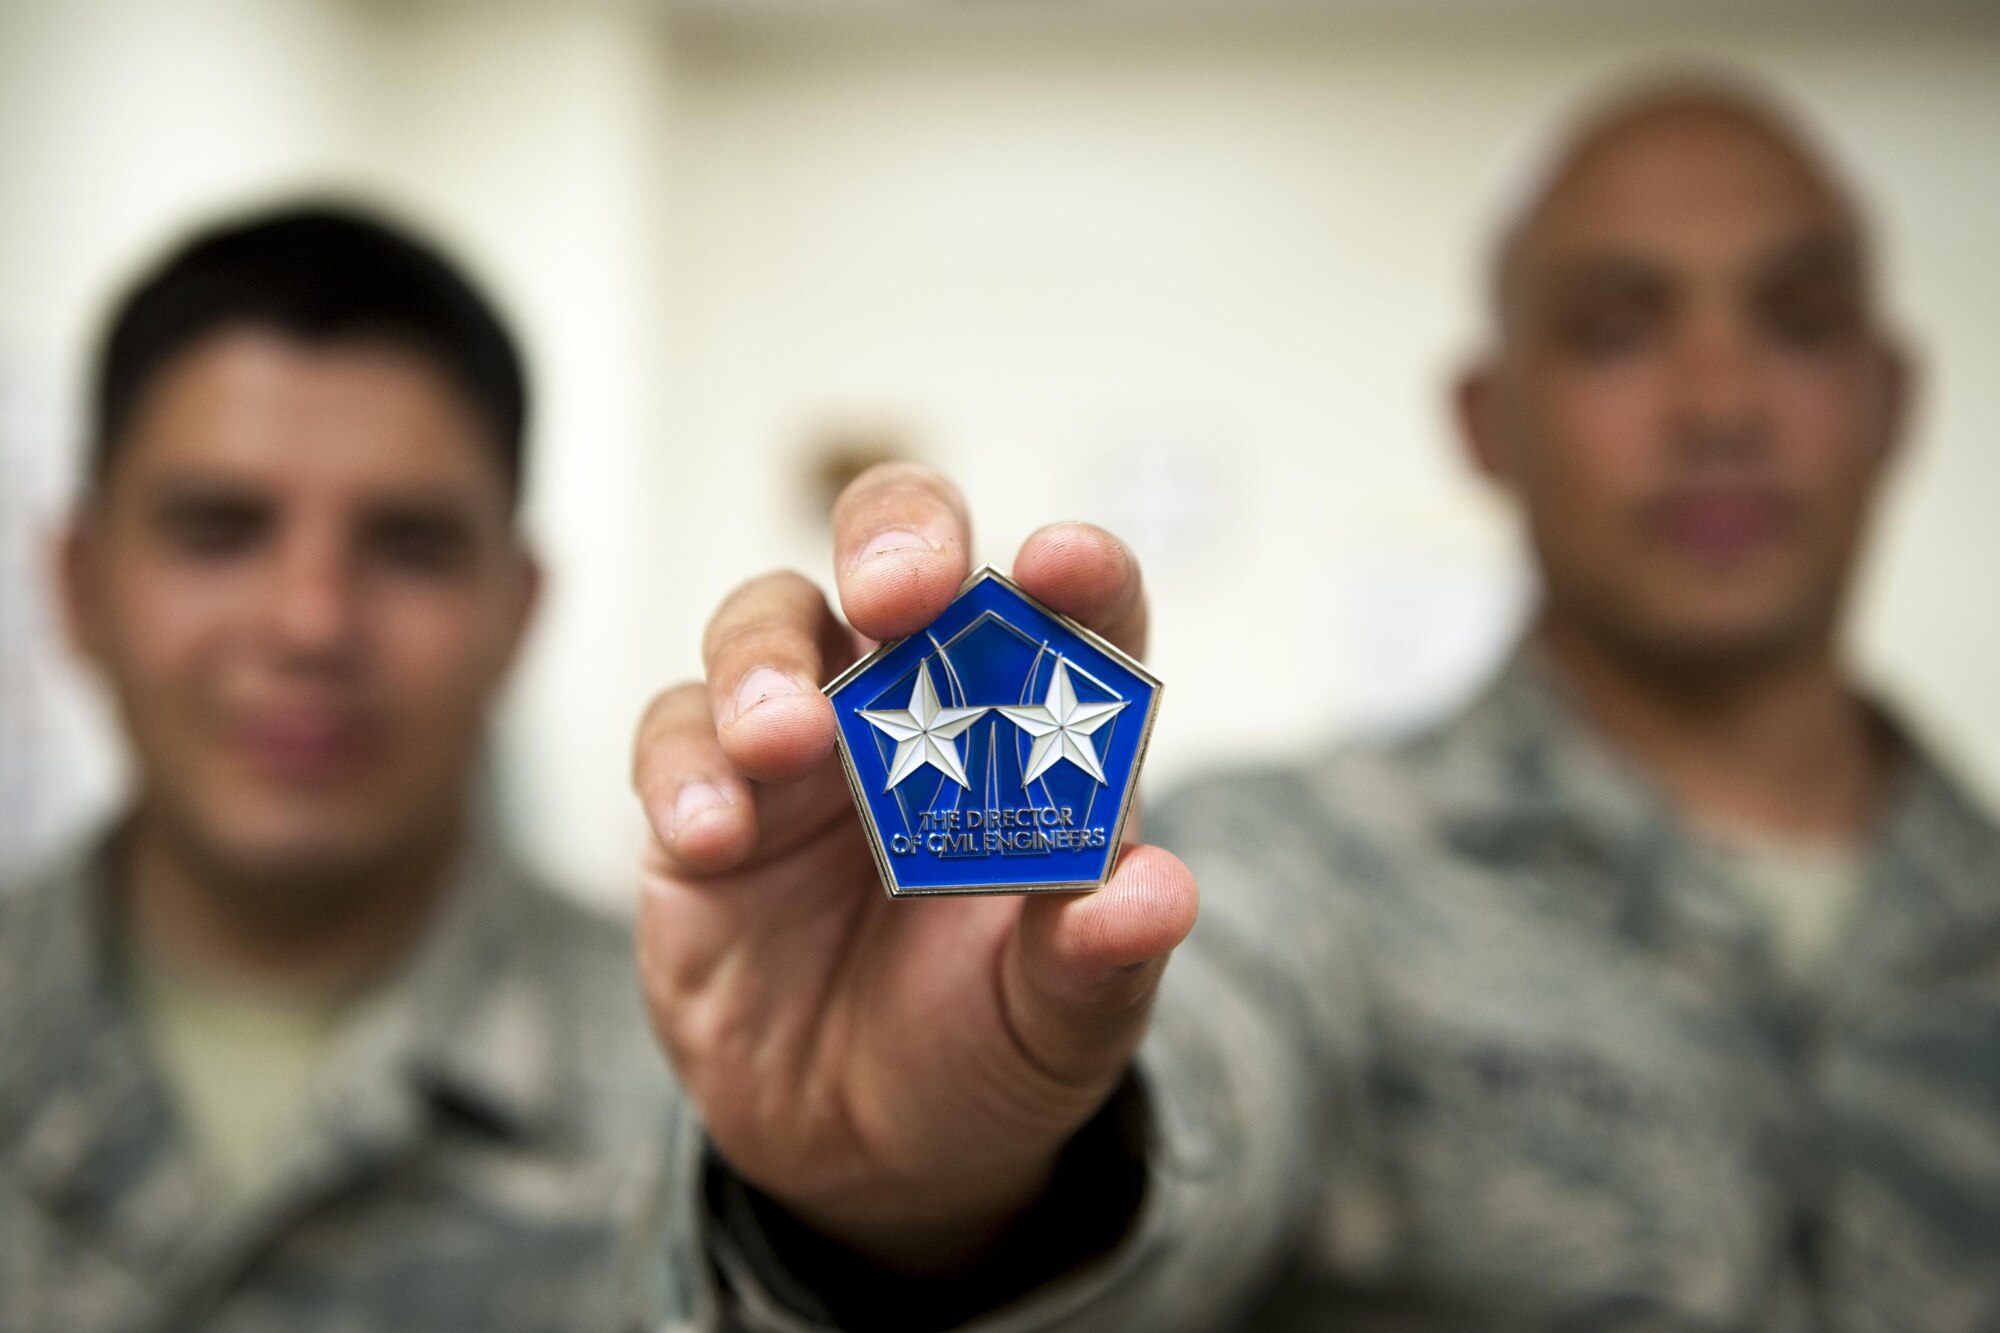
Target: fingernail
762,684
887,543
696,799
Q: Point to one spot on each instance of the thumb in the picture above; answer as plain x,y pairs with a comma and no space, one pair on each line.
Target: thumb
1081,970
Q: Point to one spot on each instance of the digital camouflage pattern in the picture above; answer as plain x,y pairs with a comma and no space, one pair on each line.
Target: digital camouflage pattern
1494,1027
477,1156
1473,1034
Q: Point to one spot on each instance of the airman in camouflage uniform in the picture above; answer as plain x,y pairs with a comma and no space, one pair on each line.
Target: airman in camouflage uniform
476,1156
1477,1032
1658,989
296,1047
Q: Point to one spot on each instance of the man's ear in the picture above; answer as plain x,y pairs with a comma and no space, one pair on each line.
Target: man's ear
1476,400
75,569
1900,377
528,584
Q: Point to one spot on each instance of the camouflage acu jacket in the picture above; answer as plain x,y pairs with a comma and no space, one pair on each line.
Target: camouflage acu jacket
475,1159
1474,1037
1470,1036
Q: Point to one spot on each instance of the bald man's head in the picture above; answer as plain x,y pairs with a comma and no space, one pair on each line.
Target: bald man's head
1641,151
1689,391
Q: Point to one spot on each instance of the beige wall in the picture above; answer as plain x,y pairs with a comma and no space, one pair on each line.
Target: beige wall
1202,282
1257,254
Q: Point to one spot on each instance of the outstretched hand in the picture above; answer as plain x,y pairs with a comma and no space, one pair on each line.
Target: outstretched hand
901,1075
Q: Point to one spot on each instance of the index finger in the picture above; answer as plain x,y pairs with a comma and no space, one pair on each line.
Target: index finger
765,654
1085,572
901,537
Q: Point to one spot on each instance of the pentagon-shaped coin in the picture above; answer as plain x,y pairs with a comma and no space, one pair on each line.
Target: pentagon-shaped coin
997,750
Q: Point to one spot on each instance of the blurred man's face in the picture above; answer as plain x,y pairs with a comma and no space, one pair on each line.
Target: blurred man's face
1692,401
302,582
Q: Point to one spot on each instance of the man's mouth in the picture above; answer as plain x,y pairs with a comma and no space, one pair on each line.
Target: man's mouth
304,746
1719,526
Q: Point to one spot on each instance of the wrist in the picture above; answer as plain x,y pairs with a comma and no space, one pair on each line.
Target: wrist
1088,1204
930,1229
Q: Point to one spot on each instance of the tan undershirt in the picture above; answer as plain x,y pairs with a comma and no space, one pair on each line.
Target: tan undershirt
239,1064
1805,892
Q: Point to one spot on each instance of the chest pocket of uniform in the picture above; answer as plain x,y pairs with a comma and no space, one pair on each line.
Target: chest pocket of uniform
1548,1174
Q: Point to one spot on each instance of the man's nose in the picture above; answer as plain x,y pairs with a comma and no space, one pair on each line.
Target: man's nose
1719,406
312,608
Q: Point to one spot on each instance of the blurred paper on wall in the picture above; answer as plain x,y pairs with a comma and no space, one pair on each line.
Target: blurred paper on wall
1170,489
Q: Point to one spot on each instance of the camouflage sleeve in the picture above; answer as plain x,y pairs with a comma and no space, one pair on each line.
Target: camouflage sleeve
1262,1154
1255,1140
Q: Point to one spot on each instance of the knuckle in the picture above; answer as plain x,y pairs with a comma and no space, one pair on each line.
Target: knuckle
671,701
794,588
768,596
899,482
669,711
769,611
769,642
663,739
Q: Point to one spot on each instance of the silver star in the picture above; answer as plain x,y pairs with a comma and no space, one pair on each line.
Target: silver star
1062,727
924,733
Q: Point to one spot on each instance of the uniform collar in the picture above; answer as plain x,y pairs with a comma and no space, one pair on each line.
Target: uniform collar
1521,761
468,1027
1521,772
477,1024
1934,876
83,1117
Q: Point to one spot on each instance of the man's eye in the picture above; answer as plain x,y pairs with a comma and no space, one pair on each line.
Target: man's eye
213,532
420,545
1608,332
1809,319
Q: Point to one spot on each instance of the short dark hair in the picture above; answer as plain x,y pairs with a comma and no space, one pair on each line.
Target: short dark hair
322,273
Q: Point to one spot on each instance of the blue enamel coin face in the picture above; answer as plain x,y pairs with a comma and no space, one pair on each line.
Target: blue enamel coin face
996,751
